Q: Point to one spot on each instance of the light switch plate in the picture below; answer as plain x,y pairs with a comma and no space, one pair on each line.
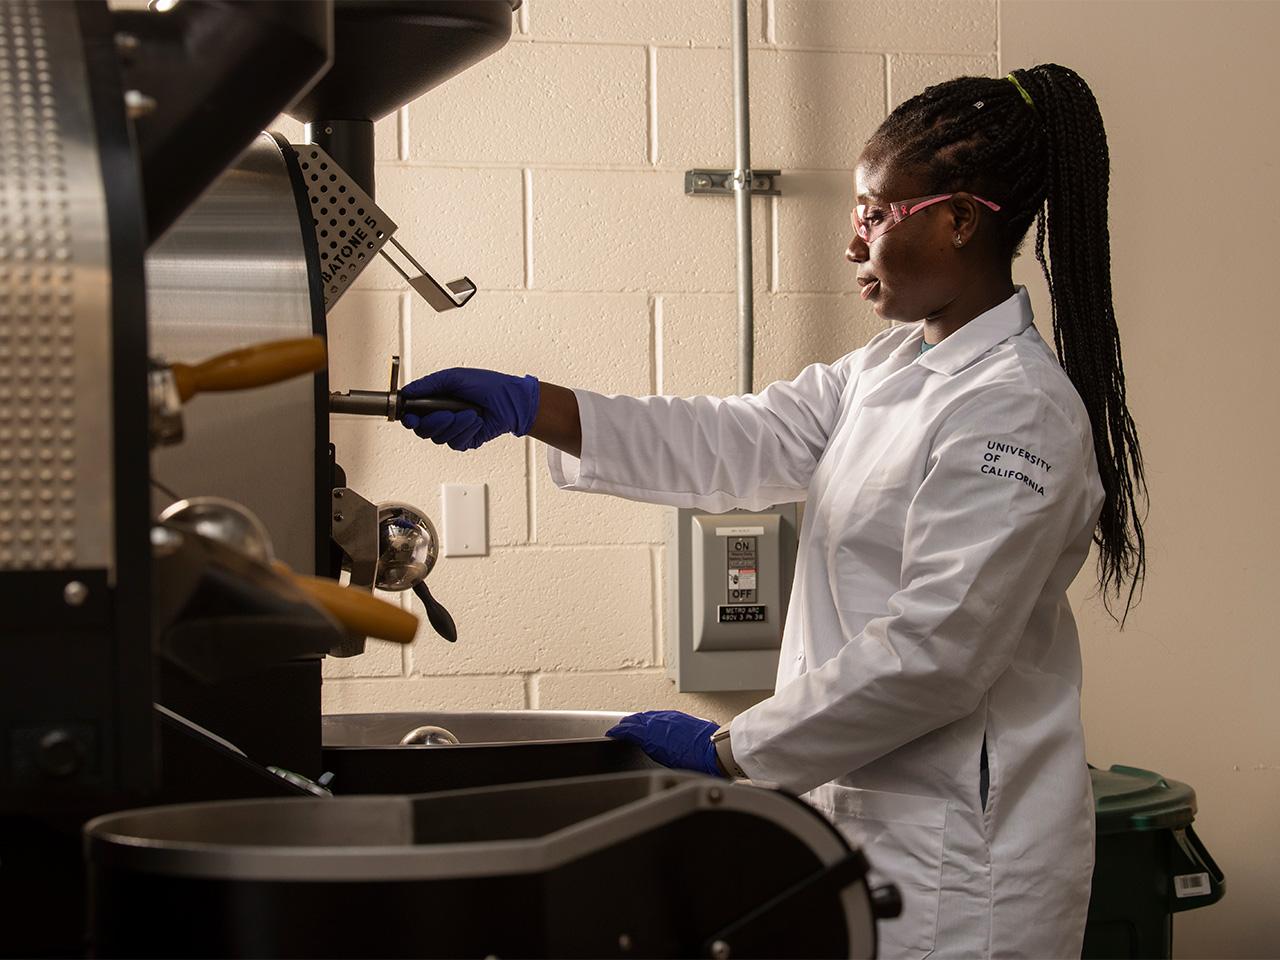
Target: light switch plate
465,508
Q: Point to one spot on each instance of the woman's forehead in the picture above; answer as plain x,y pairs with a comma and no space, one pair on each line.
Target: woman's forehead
875,178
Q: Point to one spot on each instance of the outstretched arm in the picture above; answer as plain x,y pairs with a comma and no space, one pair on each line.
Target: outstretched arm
558,423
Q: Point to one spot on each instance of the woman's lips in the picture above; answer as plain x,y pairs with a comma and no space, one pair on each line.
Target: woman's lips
869,289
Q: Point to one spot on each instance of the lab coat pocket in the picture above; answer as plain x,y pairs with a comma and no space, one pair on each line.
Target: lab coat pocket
903,837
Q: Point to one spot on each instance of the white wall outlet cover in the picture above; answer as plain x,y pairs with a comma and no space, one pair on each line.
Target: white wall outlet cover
465,511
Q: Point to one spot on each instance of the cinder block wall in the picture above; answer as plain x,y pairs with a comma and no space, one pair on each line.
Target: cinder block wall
552,175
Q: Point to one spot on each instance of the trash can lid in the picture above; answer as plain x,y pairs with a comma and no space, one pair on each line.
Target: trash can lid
1129,798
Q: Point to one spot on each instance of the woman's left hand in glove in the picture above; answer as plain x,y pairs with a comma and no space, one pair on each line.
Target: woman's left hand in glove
672,738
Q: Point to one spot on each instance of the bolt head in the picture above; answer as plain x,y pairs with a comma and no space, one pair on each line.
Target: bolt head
75,593
126,44
720,950
60,754
137,104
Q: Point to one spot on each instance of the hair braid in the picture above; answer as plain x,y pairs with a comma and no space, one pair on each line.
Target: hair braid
1047,163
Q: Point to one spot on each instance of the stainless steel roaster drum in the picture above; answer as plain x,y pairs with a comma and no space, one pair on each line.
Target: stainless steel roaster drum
638,864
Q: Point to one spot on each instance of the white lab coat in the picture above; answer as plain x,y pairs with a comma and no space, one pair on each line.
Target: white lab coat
950,500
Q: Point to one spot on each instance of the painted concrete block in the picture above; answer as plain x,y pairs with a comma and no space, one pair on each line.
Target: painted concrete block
809,109
699,342
814,231
698,23
791,331
910,73
385,462
635,691
422,693
597,341
565,518
453,222
380,659
614,230
943,26
811,328
532,608
534,103
364,333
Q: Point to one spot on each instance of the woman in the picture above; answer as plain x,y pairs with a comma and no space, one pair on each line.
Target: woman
955,474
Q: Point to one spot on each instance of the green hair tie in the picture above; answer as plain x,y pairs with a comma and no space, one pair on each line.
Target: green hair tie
1025,96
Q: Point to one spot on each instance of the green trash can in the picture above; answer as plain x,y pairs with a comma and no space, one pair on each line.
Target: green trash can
1150,864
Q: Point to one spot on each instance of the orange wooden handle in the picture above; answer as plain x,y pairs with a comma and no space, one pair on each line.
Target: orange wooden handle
362,614
253,366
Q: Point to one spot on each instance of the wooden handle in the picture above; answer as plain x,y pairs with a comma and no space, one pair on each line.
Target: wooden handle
362,614
253,366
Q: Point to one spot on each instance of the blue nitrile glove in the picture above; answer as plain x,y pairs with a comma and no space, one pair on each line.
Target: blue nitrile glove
672,738
507,405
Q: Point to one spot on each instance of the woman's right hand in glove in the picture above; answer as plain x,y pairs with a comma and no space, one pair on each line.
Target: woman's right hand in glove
506,404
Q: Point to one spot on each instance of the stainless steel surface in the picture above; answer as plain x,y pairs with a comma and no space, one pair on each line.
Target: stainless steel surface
407,547
224,521
350,228
232,272
391,406
355,530
429,736
166,406
492,727
56,467
742,198
379,838
512,830
703,182
364,403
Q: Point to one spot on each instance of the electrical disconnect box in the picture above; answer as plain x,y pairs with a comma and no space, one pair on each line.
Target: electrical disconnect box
728,581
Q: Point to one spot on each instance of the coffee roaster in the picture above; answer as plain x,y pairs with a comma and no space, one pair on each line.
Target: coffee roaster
180,549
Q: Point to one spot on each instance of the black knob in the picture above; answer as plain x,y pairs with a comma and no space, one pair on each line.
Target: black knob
436,613
886,902
60,754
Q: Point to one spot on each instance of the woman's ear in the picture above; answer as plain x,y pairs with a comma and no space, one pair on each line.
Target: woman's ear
964,218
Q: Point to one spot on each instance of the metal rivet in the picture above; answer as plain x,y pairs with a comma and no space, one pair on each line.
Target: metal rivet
337,518
75,593
137,104
720,950
714,795
127,44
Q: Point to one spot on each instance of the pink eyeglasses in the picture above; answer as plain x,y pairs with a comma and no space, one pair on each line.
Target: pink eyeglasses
872,221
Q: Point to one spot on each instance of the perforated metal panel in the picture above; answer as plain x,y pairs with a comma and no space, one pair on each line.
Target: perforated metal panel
350,227
55,370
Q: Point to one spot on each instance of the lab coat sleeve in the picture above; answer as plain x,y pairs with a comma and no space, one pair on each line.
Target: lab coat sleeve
978,550
713,453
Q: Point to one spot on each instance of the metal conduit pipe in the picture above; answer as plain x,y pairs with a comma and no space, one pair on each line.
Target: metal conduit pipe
742,198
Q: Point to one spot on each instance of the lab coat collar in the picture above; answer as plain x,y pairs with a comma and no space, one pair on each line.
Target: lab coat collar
1005,320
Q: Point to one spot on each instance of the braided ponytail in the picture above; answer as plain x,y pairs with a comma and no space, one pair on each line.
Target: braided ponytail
1046,161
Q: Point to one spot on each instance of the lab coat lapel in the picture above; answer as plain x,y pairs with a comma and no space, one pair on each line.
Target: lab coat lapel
955,353
975,338
903,374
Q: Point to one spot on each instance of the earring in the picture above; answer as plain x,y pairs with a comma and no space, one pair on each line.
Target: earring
957,241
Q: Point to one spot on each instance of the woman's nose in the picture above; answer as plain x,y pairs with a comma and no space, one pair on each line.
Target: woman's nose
857,251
